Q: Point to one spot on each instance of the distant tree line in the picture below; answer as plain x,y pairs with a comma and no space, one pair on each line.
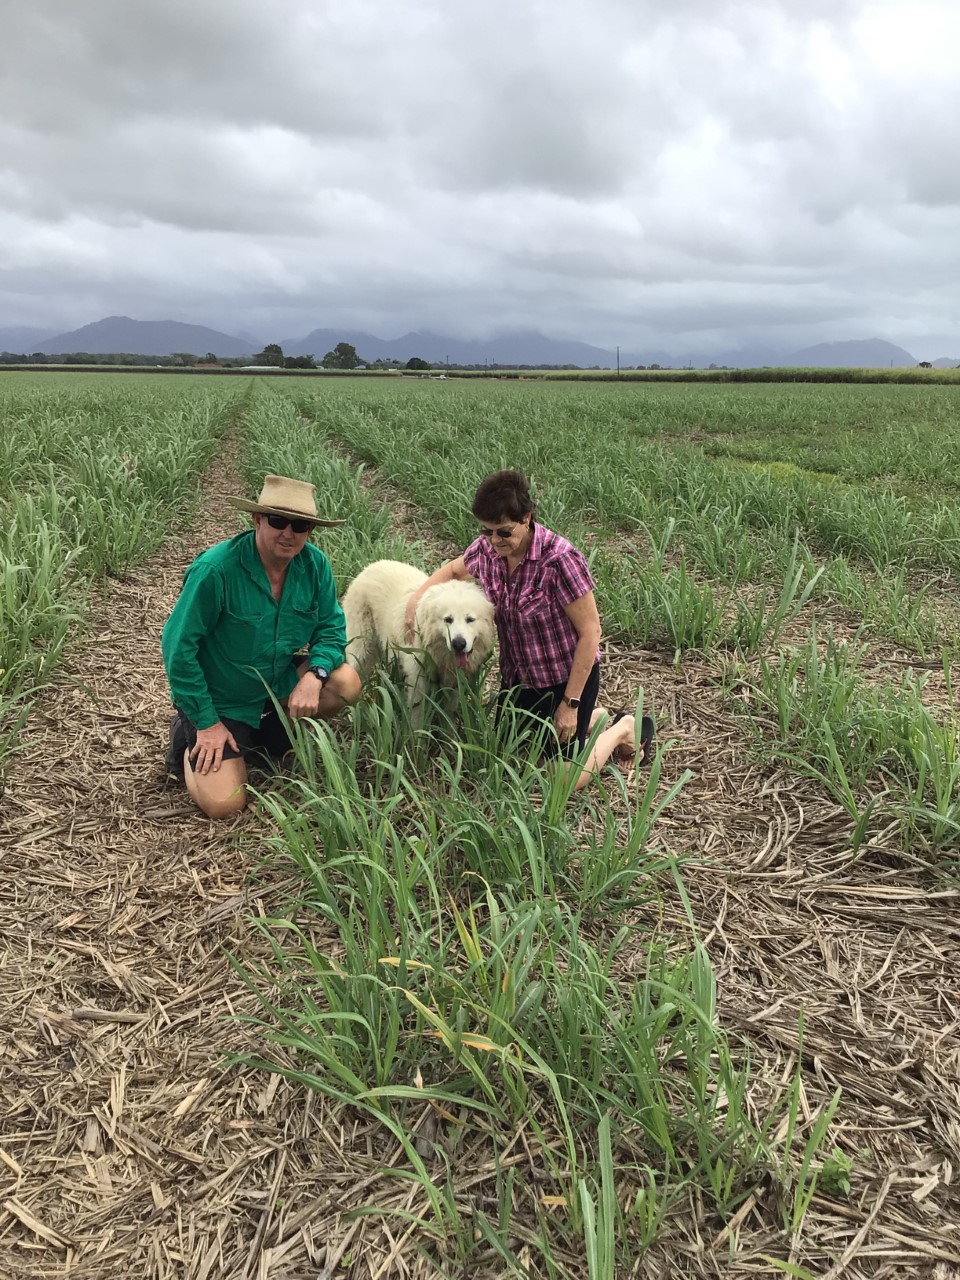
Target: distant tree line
178,360
344,357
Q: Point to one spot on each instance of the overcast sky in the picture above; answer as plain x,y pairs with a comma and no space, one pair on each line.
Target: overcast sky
698,173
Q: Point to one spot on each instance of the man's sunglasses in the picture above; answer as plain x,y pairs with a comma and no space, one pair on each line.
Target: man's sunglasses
298,526
502,534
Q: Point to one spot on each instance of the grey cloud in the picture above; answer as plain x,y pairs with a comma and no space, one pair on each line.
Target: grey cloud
106,62
704,168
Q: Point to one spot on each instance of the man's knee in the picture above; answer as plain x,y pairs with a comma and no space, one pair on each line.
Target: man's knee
219,808
219,794
345,684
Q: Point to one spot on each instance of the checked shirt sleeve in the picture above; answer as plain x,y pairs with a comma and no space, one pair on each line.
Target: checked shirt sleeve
572,576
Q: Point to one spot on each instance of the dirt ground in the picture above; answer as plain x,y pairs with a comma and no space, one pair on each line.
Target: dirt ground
127,1149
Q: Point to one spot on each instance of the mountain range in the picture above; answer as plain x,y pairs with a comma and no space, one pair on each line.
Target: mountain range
527,347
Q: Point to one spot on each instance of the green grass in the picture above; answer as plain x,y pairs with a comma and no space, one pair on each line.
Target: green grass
91,475
458,936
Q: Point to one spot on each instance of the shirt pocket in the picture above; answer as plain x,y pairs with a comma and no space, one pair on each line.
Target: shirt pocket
534,603
297,628
246,637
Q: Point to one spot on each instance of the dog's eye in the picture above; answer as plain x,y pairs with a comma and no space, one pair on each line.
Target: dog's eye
448,619
469,619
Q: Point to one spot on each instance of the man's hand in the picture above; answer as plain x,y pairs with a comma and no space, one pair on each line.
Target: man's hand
208,752
565,721
305,698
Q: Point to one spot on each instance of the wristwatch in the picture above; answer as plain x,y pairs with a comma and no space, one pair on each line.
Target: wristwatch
322,674
571,702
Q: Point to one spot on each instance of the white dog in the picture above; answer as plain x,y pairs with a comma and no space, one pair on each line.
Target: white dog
454,626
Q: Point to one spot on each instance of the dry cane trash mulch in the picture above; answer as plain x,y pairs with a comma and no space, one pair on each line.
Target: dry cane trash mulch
127,1150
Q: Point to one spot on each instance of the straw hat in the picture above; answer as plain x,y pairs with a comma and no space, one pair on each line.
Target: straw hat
281,496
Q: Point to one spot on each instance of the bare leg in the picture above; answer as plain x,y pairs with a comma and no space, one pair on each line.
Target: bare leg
341,690
220,793
223,792
618,739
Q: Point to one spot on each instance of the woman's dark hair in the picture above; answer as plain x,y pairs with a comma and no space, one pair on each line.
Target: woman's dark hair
504,495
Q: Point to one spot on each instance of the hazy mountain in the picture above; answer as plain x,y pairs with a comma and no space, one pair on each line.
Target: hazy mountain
22,340
145,337
534,348
506,349
946,362
526,347
868,353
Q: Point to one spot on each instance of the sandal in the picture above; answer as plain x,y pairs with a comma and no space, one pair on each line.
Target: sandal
645,745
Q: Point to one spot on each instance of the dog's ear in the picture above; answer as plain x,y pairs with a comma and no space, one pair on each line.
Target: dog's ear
428,615
424,612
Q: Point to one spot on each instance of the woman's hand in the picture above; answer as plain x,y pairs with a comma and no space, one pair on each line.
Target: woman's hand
565,721
410,616
452,570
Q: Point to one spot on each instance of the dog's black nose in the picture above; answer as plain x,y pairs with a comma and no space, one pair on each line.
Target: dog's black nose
458,644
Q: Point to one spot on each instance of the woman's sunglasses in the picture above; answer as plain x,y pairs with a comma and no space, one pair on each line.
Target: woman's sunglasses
298,526
502,534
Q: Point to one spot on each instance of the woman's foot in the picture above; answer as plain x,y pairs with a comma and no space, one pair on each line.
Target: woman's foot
626,747
628,743
599,713
634,743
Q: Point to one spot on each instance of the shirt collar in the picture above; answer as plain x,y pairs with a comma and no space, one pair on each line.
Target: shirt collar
535,549
250,559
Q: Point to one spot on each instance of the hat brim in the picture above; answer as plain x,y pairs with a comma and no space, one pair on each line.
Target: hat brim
257,508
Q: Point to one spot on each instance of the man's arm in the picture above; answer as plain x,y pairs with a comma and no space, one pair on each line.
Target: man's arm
328,642
328,645
194,616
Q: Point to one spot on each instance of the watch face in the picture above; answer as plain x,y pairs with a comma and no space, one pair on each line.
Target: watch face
573,702
321,673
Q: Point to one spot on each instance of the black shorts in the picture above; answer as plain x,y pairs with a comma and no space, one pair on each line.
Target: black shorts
541,704
268,741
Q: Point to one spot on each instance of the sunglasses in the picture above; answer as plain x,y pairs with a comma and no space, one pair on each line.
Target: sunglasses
502,534
298,526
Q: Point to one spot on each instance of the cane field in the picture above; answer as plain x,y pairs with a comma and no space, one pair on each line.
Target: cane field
421,1011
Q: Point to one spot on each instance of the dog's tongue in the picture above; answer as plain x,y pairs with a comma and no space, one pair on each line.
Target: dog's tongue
463,659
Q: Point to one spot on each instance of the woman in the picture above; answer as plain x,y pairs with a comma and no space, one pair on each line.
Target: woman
547,621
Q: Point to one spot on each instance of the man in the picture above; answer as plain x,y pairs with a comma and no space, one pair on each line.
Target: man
247,606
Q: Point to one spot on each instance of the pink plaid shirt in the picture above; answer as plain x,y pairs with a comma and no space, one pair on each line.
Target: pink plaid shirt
537,639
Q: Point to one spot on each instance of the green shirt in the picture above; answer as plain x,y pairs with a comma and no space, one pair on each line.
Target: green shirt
228,640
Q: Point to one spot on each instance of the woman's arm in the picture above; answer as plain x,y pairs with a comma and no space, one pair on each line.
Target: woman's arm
586,622
453,570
